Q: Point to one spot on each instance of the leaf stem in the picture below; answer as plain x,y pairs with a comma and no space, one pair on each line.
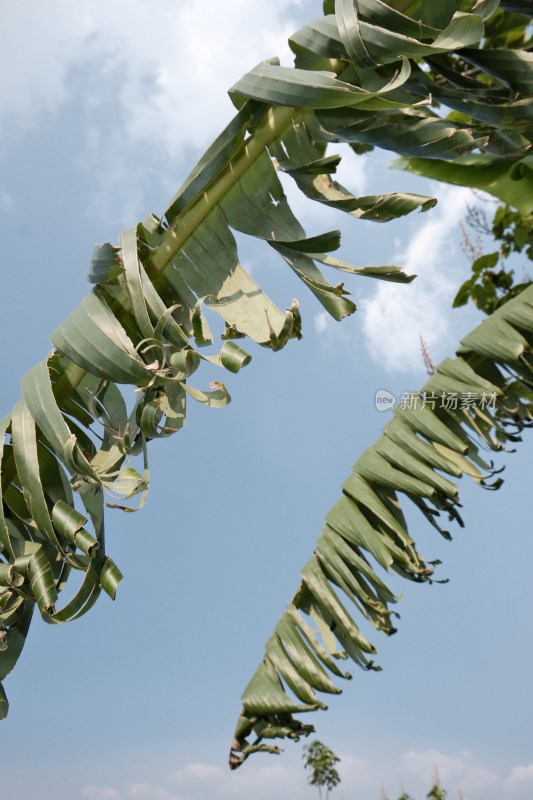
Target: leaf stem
275,122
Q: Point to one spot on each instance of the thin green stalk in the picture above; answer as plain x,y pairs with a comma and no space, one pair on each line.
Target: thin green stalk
276,121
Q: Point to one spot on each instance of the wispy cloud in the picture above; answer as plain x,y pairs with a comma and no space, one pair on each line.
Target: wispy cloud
334,337
462,771
261,783
317,217
175,60
100,793
426,763
395,317
6,201
33,77
519,783
149,81
413,772
457,771
144,791
199,780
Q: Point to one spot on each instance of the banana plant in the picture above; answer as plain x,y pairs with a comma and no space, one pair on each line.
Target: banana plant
366,73
483,398
428,436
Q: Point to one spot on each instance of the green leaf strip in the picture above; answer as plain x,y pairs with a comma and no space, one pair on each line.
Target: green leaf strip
366,528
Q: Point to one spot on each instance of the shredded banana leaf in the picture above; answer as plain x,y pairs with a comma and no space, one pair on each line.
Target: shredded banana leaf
368,74
428,439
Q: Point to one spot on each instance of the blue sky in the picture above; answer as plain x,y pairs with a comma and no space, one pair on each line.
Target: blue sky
104,110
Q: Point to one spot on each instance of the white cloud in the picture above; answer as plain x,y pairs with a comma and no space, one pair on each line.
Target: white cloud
150,81
322,322
425,763
396,316
519,775
197,769
262,783
144,791
317,217
6,201
455,772
100,793
191,60
150,92
358,774
519,783
352,171
198,780
478,781
174,61
334,337
33,76
413,772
